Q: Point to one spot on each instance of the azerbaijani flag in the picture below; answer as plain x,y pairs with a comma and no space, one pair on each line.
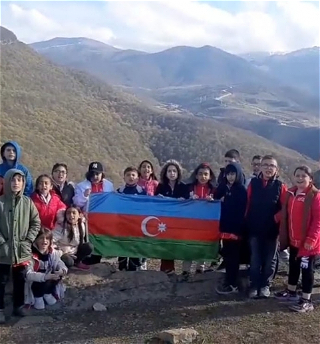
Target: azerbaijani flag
153,227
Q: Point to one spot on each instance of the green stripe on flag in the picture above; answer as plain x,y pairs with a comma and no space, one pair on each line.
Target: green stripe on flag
153,248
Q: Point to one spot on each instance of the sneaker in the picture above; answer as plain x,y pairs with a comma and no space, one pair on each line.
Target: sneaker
185,275
302,306
226,289
169,272
19,311
287,295
2,317
50,299
39,303
144,266
253,294
222,266
82,266
265,292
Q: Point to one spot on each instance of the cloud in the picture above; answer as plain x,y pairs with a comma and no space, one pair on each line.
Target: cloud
156,25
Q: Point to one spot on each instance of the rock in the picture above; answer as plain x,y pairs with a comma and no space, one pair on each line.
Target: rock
98,307
33,320
177,336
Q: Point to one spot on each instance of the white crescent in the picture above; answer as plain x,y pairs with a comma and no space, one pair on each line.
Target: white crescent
144,224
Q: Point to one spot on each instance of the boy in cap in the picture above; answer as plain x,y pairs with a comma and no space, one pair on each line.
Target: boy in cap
95,182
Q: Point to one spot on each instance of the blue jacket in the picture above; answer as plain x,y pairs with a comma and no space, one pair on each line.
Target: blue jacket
4,167
233,207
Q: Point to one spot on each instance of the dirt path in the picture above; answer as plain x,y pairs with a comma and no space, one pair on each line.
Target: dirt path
228,321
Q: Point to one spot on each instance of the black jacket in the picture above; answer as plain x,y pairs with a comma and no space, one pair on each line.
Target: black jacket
222,173
67,193
263,204
233,206
132,190
180,190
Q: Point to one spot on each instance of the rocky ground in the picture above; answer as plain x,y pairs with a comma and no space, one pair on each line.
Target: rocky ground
141,304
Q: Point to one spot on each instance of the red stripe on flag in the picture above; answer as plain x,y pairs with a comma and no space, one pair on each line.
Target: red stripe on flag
119,225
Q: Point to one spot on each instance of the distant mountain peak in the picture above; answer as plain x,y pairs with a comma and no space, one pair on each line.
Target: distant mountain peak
62,42
7,36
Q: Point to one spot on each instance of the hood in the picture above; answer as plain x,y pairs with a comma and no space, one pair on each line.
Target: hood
17,148
7,182
234,167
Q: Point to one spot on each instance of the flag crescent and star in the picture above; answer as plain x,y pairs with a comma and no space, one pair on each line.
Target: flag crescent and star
144,226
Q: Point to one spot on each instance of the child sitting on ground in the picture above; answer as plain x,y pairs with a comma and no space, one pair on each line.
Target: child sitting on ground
71,239
44,273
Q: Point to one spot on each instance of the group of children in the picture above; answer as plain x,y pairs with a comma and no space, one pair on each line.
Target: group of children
43,232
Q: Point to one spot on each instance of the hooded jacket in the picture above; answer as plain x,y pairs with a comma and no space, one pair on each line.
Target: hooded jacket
222,173
233,206
19,223
4,167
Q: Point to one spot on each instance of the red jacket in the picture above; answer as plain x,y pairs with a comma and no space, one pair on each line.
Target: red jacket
295,211
48,211
149,185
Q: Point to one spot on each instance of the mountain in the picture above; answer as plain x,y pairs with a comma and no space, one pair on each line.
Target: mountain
173,67
62,115
299,68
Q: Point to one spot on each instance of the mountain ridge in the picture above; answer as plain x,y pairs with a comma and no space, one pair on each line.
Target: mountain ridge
96,122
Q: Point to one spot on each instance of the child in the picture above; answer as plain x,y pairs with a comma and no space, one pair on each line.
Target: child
48,203
171,186
255,163
233,196
95,182
300,229
147,178
10,154
61,186
265,198
201,185
44,273
71,239
131,187
232,155
19,226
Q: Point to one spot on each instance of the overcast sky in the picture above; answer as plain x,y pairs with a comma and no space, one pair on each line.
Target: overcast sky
235,26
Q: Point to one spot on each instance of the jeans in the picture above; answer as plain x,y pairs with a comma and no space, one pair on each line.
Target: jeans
231,256
263,262
84,250
18,279
295,269
128,264
167,265
39,289
186,265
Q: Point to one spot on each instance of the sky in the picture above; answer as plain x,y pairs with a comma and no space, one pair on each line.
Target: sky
235,26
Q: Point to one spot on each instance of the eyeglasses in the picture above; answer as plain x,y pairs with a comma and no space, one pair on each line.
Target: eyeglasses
256,164
60,172
269,166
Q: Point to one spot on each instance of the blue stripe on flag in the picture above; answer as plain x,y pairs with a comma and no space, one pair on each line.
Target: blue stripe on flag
115,203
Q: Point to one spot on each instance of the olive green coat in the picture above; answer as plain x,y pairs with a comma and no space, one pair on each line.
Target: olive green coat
19,223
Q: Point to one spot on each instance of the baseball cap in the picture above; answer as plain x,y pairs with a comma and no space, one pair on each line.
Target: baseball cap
95,167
